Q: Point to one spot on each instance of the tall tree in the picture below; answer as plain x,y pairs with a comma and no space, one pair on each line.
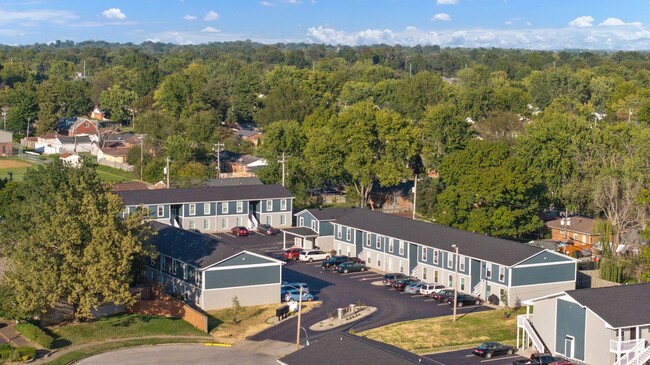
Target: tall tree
72,247
118,103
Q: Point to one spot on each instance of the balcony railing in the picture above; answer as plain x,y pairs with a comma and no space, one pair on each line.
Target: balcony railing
622,347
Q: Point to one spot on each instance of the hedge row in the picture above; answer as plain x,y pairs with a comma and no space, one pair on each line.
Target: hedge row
35,334
8,353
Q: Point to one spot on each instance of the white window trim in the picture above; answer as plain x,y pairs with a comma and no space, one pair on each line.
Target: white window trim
240,207
206,224
301,222
450,260
436,254
461,263
224,223
160,210
339,229
224,207
348,234
378,242
488,271
206,208
173,267
283,219
313,225
192,209
391,245
502,273
401,247
283,204
424,253
269,205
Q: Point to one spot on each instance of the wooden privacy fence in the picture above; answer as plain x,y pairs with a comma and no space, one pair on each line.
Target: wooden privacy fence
167,306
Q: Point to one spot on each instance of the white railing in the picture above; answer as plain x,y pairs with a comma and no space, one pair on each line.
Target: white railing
635,354
523,321
478,289
252,222
622,347
416,271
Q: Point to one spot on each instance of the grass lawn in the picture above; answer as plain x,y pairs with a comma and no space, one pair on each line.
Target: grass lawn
250,320
16,166
120,326
113,175
442,334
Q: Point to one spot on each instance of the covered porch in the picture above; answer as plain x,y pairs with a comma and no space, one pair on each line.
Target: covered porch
301,236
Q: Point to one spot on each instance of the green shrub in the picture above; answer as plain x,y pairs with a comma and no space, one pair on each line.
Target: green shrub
35,334
26,353
5,351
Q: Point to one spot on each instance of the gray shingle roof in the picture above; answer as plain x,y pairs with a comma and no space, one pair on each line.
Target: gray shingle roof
497,250
342,348
301,231
212,193
193,248
328,214
620,306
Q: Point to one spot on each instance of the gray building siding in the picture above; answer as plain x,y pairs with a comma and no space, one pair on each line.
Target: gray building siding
325,229
229,278
153,209
358,235
244,259
546,257
306,220
542,274
413,256
570,321
475,269
199,210
247,296
232,208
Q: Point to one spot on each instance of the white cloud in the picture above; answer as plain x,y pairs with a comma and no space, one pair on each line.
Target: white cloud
211,15
442,17
582,21
508,22
55,16
210,30
447,2
189,17
266,3
295,2
113,13
616,22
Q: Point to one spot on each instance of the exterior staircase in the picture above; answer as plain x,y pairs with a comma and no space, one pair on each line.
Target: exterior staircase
252,222
523,322
638,355
416,272
478,289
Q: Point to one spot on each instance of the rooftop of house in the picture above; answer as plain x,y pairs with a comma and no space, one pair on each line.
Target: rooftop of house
233,181
115,151
193,248
329,214
244,133
576,224
205,194
134,185
619,306
497,250
344,348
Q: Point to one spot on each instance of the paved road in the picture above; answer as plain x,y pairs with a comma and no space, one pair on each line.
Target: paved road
340,290
463,357
180,354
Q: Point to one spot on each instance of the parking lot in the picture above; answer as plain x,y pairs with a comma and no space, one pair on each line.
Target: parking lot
465,357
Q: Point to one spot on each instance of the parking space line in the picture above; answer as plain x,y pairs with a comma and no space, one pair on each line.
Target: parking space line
499,358
418,295
362,275
429,300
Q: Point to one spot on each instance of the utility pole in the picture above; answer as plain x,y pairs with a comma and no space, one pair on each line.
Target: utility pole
218,146
283,161
455,247
4,116
29,120
141,154
167,171
415,194
298,330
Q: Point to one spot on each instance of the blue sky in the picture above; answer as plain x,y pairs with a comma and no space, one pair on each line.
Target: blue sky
532,24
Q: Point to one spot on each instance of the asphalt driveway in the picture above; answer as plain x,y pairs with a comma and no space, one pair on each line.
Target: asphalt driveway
465,357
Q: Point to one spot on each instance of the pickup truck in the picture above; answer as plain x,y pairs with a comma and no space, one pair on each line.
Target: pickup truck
537,359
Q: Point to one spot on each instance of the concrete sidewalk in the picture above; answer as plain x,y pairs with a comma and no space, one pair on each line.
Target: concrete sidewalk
8,334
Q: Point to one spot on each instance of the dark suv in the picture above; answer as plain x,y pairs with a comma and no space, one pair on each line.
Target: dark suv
390,279
334,260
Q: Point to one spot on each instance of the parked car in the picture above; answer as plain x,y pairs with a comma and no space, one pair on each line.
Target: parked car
356,260
489,349
414,288
400,285
294,295
443,295
351,266
239,231
267,229
334,260
292,253
537,359
465,299
389,279
313,255
288,285
428,289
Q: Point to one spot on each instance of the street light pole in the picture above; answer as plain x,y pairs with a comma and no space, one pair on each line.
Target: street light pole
299,310
4,116
455,247
415,194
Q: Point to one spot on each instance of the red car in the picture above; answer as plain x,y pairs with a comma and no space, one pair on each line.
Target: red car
239,231
292,253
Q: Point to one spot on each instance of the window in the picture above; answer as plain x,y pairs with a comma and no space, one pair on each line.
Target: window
125,212
192,224
301,222
239,221
197,277
391,245
424,253
206,208
338,231
488,271
240,207
192,209
461,263
283,220
269,220
450,259
424,273
436,276
283,204
378,242
348,234
184,268
85,125
502,273
313,225
436,253
269,205
206,224
224,208
161,211
401,247
224,223
369,258
450,281
462,284
173,267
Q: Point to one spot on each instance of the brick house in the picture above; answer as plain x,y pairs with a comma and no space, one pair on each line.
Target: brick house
6,145
578,229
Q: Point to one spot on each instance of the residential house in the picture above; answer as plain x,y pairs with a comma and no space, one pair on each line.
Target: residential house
6,143
252,136
241,165
484,265
600,326
209,273
314,228
70,159
113,154
214,209
344,348
79,127
133,185
576,229
53,143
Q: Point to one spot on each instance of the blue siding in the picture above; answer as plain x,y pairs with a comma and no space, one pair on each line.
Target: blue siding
244,259
199,210
276,205
570,321
154,211
326,229
218,279
307,219
475,267
232,208
543,274
413,256
546,257
359,243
